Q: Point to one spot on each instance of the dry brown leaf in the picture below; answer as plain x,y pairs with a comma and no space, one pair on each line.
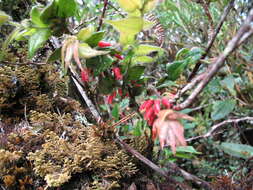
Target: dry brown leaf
169,129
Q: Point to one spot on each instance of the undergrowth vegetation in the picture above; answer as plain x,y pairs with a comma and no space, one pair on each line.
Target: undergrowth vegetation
126,94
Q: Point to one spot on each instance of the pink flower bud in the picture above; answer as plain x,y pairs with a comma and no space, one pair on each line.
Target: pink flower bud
117,73
104,44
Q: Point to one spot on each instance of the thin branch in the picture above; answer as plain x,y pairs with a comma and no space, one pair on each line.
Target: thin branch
210,43
89,103
103,15
210,18
218,126
162,172
111,5
214,68
146,161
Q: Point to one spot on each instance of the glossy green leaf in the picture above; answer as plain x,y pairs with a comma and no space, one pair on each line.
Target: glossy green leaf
128,28
4,17
237,150
35,16
85,51
37,40
66,8
85,33
147,49
222,108
95,38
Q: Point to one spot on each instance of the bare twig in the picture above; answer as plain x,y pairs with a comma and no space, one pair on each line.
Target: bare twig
111,5
214,68
162,172
218,126
103,15
148,162
210,19
84,96
210,42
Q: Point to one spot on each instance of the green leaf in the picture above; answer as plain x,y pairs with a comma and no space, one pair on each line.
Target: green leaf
237,150
37,40
85,33
188,149
66,8
142,59
85,51
49,12
167,83
135,72
147,49
95,38
103,64
137,129
229,83
222,108
4,17
35,16
175,69
130,5
115,112
128,28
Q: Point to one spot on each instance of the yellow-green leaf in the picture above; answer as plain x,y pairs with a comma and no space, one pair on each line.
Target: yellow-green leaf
150,5
4,17
147,49
128,28
142,59
147,24
85,51
85,33
130,5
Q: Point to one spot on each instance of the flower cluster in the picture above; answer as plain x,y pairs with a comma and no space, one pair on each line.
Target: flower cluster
150,108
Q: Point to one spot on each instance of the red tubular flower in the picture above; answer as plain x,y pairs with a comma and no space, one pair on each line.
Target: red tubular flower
166,103
119,56
85,75
146,105
120,92
151,119
148,114
117,73
111,97
157,106
104,44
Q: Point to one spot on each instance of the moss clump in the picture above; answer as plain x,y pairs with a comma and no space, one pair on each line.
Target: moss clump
25,88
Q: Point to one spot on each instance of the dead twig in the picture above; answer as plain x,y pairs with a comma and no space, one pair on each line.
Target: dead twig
161,171
150,164
214,35
218,64
218,126
103,15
